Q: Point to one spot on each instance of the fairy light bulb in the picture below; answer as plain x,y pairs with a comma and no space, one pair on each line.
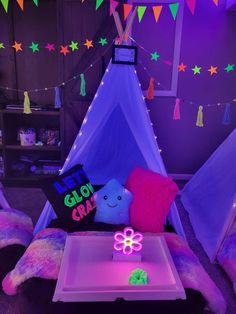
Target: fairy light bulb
102,83
74,147
80,133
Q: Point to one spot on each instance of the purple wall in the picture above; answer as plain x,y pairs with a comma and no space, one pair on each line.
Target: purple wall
208,38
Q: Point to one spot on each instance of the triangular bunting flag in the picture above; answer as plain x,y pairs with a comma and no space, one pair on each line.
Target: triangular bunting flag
127,9
174,7
21,4
157,11
191,4
5,4
216,2
98,3
114,4
36,2
141,11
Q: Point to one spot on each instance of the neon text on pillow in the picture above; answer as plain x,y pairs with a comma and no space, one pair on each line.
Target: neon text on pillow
78,194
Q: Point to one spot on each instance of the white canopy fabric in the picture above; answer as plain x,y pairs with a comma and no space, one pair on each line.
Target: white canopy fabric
116,135
210,197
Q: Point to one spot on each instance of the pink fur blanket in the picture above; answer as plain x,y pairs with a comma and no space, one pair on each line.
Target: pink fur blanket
43,257
227,256
15,228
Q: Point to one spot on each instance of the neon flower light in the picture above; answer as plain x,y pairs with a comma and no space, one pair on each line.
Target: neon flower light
128,241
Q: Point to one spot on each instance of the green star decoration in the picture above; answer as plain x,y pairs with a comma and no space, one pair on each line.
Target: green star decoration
155,56
103,41
196,70
2,46
73,45
34,47
229,68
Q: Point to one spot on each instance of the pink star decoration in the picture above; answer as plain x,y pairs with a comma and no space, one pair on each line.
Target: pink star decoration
128,241
50,47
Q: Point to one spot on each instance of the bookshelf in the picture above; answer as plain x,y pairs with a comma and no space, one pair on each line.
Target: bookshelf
25,165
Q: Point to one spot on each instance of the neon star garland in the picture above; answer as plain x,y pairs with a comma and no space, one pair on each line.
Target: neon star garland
196,70
73,46
182,68
200,121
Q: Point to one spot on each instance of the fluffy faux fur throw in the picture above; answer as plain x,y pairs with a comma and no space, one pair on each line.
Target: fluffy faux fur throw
43,257
227,256
15,228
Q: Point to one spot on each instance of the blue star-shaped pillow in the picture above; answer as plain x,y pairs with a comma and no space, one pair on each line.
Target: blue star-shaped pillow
112,203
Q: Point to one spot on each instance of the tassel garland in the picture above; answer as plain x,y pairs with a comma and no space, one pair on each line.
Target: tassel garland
57,103
27,109
150,91
227,115
82,85
199,122
176,113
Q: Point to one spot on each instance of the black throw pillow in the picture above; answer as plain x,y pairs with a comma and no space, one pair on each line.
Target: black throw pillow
71,196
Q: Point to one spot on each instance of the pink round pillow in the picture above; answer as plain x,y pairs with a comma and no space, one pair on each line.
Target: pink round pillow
153,195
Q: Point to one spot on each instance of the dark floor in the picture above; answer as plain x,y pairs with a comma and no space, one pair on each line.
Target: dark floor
24,199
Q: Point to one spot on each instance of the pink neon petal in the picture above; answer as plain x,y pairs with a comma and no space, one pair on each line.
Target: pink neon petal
118,246
136,246
128,232
137,237
127,250
119,236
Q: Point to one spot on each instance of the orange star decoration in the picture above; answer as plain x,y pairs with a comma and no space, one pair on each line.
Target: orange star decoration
17,46
88,43
64,50
212,70
182,67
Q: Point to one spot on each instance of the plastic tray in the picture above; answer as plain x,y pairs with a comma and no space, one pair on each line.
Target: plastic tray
88,272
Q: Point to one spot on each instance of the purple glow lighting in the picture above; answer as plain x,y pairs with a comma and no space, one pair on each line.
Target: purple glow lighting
128,241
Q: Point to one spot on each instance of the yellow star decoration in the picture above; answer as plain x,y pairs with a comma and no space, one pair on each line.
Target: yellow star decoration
88,43
212,70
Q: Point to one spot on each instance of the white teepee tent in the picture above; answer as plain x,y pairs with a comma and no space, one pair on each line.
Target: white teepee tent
210,197
116,135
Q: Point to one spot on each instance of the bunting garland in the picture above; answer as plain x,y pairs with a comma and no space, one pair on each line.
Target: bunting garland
157,11
191,5
21,4
127,8
141,10
174,7
113,4
98,4
5,4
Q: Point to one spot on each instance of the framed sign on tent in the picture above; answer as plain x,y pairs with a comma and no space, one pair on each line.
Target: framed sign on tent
166,42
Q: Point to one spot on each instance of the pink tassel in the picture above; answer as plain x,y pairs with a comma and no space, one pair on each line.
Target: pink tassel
176,113
150,91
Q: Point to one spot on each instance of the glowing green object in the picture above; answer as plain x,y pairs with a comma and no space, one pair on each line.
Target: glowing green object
138,277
